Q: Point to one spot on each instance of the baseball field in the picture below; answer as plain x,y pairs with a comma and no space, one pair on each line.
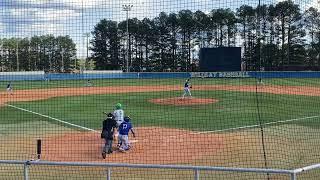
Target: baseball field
219,126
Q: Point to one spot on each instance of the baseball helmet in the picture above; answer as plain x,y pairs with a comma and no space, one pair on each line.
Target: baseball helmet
127,118
110,116
118,106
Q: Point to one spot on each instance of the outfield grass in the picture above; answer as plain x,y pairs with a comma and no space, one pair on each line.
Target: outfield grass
234,109
19,85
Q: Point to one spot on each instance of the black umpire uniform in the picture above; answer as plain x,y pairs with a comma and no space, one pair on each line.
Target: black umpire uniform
108,127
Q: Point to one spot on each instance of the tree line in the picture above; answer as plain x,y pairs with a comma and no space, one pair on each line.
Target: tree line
274,37
38,53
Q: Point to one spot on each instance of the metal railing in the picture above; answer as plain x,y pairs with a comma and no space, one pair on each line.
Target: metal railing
196,169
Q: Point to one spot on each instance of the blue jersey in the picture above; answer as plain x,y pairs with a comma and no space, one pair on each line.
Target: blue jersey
124,128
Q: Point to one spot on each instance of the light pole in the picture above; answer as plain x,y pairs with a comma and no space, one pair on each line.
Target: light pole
62,60
87,42
17,51
127,8
1,52
50,62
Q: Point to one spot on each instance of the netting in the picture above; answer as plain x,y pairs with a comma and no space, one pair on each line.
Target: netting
65,64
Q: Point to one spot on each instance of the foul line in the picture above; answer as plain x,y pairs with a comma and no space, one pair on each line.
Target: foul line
202,132
46,116
61,121
253,126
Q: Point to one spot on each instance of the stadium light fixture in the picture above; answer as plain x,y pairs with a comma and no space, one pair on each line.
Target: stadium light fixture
127,8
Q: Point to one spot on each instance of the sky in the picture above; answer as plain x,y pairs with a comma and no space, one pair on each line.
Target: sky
27,18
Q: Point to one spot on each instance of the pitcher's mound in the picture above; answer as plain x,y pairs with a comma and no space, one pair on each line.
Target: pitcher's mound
179,101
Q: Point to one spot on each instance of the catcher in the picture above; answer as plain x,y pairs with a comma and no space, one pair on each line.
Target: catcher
108,127
124,129
187,87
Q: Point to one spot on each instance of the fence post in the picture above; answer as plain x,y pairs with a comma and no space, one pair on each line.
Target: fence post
293,176
196,174
109,174
25,171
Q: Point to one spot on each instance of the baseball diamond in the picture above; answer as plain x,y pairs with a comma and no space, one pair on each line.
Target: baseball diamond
54,109
160,89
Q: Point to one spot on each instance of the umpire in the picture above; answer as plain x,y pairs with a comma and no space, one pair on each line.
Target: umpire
108,127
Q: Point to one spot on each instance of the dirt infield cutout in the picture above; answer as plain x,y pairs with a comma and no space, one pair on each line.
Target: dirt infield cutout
155,145
179,101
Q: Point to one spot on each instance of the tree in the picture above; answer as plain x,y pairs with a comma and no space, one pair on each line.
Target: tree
49,56
136,44
9,47
34,56
187,28
288,14
247,19
24,60
66,52
148,31
202,25
269,56
105,45
312,22
84,64
224,22
173,33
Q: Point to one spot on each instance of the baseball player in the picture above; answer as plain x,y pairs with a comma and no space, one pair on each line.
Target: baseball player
108,127
88,83
124,129
9,88
187,86
118,114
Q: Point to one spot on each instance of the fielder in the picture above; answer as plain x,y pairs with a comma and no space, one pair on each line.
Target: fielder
108,128
9,88
260,82
124,129
187,87
88,83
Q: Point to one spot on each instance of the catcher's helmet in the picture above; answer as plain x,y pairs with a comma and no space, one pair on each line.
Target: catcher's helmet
127,118
118,106
110,116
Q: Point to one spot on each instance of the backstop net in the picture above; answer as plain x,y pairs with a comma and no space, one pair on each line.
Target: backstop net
217,83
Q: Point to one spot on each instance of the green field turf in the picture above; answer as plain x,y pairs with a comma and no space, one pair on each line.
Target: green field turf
234,109
18,85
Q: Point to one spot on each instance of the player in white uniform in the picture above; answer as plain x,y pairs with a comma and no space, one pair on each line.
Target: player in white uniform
186,89
88,83
118,114
119,118
9,88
